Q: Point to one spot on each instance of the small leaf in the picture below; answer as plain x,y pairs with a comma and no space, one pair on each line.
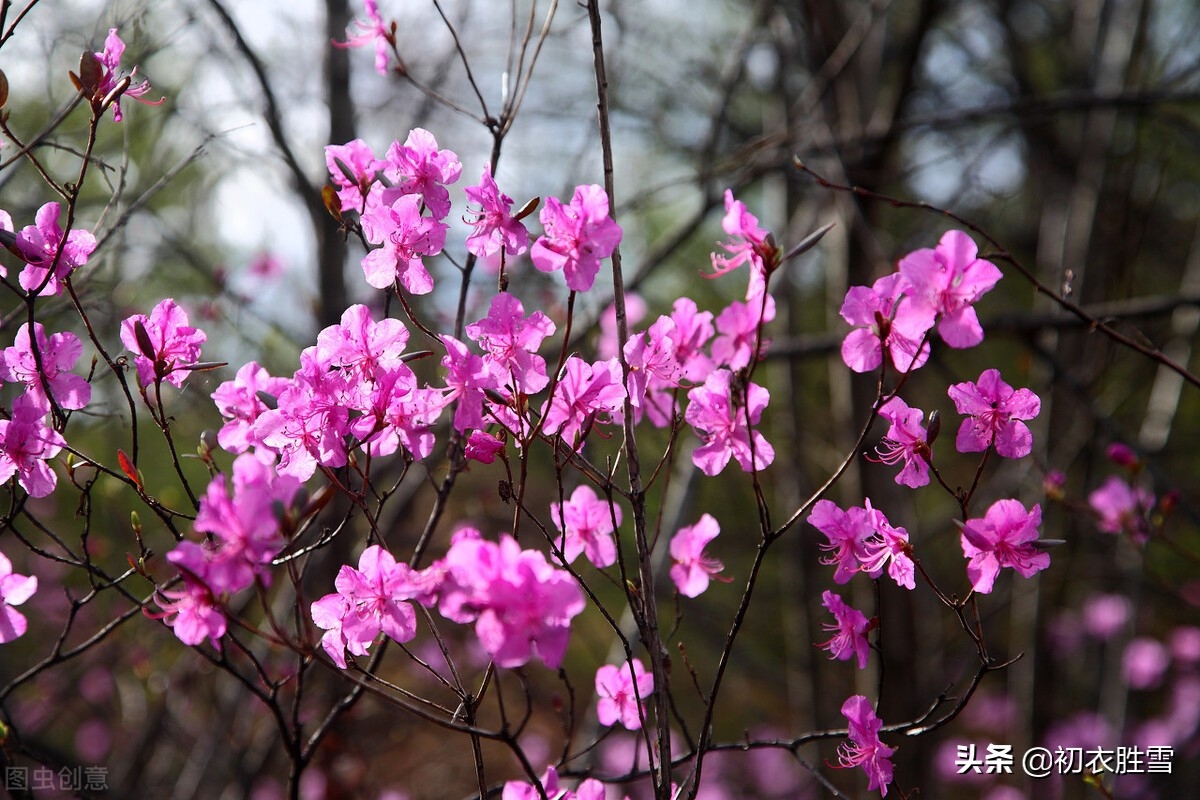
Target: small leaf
202,366
129,469
90,75
332,204
527,209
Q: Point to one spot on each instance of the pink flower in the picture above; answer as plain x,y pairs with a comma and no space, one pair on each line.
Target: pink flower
738,327
586,523
620,693
14,590
192,613
482,447
110,62
371,31
887,547
1144,663
407,237
651,357
693,569
58,354
495,228
240,403
1104,615
994,412
419,168
885,319
1004,537
865,749
748,243
847,532
467,381
719,419
168,347
905,442
849,629
26,444
356,158
577,237
583,395
520,603
369,600
511,341
50,255
1121,507
947,281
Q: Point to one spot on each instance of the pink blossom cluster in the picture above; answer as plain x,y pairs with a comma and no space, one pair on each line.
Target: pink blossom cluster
49,253
590,789
862,540
931,288
244,522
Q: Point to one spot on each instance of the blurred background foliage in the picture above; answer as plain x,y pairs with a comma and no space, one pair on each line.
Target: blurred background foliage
1067,130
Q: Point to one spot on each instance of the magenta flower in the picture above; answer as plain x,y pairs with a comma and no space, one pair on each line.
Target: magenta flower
586,523
947,281
847,532
748,243
58,354
865,749
1004,537
14,590
467,381
511,341
369,600
720,421
905,442
693,329
849,629
577,237
585,394
693,568
885,319
50,255
482,447
26,444
495,228
738,327
407,237
356,158
995,412
419,168
168,347
240,404
372,30
887,547
650,357
1144,663
620,693
192,613
1121,507
110,62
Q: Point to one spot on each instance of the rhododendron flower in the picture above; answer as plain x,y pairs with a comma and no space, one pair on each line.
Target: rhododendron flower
110,62
371,31
520,604
407,237
905,442
40,245
370,599
1004,537
14,590
494,226
26,443
586,523
720,420
1144,663
169,347
693,568
738,327
849,629
620,694
482,447
58,353
239,401
651,355
994,412
1121,507
885,319
192,613
847,532
577,237
511,341
584,394
590,789
865,749
419,168
356,158
467,381
947,281
748,243
887,547
693,329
